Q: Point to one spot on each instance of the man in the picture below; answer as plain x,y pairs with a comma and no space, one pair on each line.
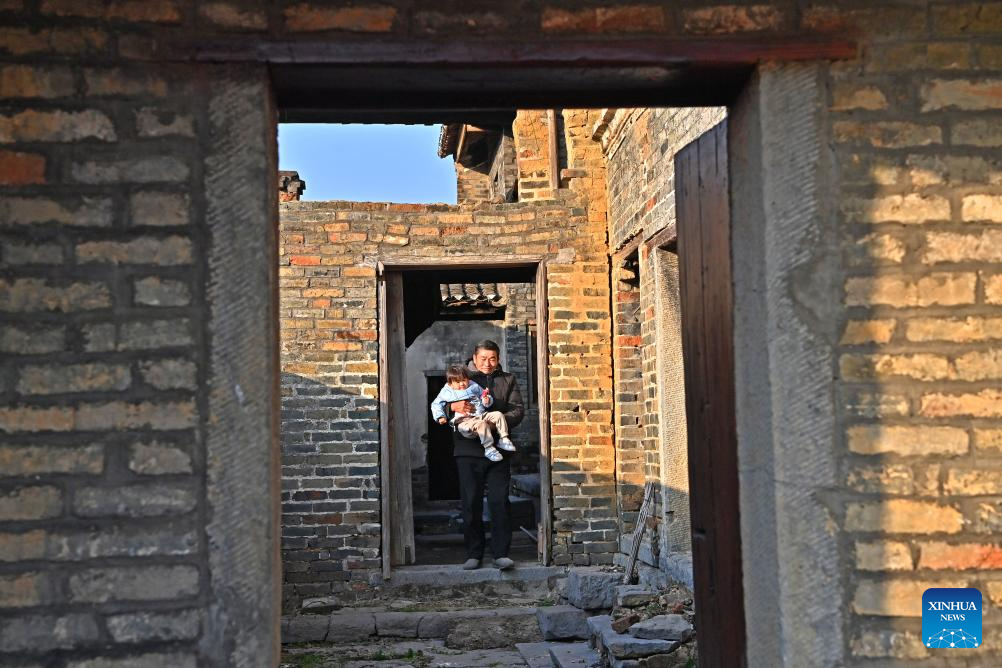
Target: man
476,472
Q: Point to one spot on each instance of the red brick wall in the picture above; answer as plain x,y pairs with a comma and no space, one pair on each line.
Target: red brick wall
330,373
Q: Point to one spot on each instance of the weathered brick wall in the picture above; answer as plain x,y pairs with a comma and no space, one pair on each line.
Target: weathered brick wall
106,445
640,147
913,122
330,373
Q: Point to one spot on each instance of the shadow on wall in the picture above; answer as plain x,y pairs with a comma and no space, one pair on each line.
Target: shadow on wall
330,488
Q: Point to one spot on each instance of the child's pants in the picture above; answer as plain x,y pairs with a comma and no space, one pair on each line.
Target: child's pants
481,426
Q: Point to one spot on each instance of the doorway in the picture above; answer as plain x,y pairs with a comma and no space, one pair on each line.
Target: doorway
431,315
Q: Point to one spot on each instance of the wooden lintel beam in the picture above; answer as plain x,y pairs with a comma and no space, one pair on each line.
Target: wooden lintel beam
544,53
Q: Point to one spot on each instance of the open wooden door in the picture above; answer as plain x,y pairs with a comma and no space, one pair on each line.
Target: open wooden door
394,452
707,301
545,529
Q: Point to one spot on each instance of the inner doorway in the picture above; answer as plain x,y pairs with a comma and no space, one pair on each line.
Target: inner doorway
432,313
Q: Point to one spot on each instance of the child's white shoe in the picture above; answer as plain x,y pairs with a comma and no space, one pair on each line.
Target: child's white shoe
492,454
506,444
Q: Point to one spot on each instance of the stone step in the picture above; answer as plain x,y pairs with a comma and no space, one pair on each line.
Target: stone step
535,654
434,582
574,655
462,629
623,645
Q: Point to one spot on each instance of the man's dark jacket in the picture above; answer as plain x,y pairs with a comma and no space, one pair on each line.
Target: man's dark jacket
507,399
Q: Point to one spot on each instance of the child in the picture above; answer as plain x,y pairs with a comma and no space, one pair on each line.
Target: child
459,387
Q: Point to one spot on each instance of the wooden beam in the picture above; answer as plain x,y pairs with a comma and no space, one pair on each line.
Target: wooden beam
459,262
543,52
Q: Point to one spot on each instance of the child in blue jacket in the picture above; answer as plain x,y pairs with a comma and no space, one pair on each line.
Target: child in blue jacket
459,387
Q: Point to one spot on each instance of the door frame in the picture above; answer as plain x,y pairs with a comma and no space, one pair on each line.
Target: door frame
390,465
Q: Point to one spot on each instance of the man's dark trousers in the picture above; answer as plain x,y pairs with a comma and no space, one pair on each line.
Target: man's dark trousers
474,472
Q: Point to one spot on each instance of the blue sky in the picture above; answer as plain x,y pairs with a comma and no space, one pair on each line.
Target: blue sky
368,163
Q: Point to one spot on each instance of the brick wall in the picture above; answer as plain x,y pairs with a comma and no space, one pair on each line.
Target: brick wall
330,373
640,147
913,123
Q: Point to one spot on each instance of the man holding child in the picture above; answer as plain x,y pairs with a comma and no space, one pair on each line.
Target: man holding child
499,393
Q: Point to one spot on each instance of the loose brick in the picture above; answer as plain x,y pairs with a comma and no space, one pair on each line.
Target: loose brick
897,209
956,330
86,212
150,583
133,501
31,503
943,289
32,295
957,247
158,209
976,482
23,341
169,374
24,460
158,459
986,404
883,556
918,366
157,169
903,516
910,441
887,134
233,16
868,331
365,18
981,209
27,81
155,291
166,251
938,555
962,94
60,378
894,597
19,169
152,122
55,126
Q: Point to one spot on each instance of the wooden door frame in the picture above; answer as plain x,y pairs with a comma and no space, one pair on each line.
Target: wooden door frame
397,266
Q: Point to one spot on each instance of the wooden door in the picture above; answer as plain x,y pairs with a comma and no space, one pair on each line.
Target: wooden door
545,530
707,300
394,451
